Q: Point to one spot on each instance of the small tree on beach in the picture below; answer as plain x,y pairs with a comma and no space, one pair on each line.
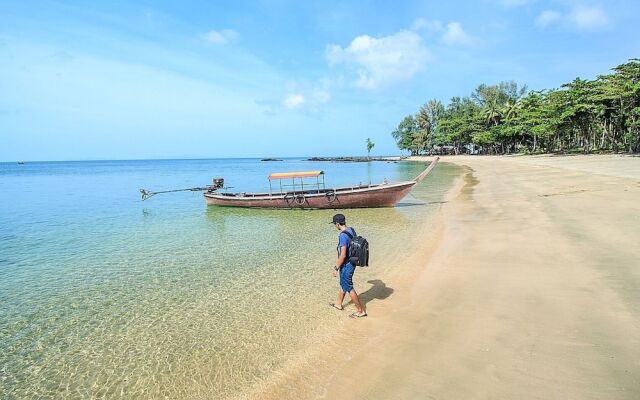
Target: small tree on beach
370,146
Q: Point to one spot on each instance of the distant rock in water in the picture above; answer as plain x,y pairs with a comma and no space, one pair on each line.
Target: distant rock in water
354,159
271,159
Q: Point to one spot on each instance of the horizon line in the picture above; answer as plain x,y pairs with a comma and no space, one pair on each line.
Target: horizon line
186,159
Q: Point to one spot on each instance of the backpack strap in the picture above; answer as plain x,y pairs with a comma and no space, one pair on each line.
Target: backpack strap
348,234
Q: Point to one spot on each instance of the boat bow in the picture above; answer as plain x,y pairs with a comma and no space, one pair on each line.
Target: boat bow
424,173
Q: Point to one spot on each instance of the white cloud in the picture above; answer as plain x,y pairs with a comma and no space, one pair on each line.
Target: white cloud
307,96
223,36
294,101
302,96
383,61
548,17
580,18
454,34
589,18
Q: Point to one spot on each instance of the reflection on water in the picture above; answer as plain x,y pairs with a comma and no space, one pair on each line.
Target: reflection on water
109,297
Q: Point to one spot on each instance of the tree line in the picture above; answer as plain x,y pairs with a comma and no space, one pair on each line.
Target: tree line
581,116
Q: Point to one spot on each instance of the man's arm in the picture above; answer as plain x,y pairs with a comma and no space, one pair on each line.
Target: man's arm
342,257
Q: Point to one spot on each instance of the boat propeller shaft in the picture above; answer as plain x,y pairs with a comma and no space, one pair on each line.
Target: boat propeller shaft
218,183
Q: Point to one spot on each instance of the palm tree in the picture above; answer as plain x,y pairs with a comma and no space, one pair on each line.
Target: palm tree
370,145
492,113
510,109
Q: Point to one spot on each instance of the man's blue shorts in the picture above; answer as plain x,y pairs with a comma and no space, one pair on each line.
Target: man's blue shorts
346,277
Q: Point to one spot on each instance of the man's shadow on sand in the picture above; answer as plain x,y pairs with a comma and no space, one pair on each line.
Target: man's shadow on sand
378,290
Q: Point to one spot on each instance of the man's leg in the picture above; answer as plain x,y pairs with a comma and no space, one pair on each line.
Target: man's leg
356,301
340,298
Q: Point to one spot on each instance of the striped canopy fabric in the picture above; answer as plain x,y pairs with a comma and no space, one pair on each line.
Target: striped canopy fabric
289,175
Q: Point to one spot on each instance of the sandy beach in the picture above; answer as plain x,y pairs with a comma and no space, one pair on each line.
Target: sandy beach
526,288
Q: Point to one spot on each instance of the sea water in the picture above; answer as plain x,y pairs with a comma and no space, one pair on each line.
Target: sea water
103,295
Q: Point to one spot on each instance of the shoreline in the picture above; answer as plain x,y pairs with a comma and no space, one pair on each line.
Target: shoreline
526,290
348,159
312,372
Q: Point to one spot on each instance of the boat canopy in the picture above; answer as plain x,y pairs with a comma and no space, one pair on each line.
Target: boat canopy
290,175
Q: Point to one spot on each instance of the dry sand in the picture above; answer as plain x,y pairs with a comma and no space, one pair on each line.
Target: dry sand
530,289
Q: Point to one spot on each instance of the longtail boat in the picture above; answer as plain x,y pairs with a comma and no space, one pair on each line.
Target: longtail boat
301,194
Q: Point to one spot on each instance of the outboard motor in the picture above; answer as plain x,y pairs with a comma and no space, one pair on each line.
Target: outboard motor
218,183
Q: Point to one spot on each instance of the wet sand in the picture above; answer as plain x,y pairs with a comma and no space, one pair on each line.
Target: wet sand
526,288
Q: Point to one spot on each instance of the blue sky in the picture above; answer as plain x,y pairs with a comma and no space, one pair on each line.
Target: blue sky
165,79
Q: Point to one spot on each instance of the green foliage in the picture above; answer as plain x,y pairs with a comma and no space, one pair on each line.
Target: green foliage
370,145
462,120
405,134
581,116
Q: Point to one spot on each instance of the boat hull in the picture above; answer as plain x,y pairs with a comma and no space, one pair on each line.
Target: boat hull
384,195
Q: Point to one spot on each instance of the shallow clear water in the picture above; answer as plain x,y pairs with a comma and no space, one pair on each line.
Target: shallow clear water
102,295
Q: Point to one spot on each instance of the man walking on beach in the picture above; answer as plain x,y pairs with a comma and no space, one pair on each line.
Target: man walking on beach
345,268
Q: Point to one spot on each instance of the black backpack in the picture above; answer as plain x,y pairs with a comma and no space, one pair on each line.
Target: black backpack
358,249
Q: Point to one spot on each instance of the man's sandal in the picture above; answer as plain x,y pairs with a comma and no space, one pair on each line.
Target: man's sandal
356,315
335,306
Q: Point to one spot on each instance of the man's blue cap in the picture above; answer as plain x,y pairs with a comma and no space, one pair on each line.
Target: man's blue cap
339,219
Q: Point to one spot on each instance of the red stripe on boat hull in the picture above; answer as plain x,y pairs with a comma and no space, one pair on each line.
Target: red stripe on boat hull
380,196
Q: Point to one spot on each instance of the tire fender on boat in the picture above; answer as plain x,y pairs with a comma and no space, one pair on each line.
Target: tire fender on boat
331,196
300,199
